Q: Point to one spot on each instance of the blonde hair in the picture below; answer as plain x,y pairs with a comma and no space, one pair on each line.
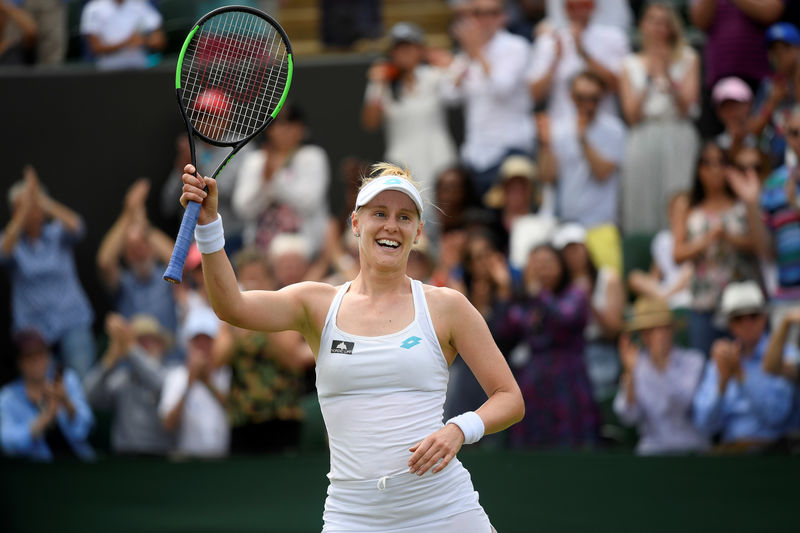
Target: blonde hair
678,37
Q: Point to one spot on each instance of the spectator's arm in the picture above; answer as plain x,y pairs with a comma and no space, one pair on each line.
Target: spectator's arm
765,104
631,100
762,11
307,190
252,193
686,91
71,220
147,369
16,429
701,13
774,362
12,231
20,18
98,388
77,423
173,397
608,75
684,248
504,78
162,244
110,251
771,396
155,40
291,349
707,402
601,168
571,309
625,406
372,110
544,65
611,317
98,48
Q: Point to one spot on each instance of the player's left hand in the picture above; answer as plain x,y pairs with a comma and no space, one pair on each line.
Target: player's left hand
439,447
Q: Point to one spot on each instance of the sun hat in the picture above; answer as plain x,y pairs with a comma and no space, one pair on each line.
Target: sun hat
144,325
649,312
514,166
389,183
742,298
570,233
200,321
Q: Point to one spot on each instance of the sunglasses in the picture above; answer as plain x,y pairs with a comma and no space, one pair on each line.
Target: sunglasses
745,317
793,132
713,162
485,13
755,167
587,98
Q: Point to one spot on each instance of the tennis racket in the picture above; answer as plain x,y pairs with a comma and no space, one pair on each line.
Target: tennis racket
232,78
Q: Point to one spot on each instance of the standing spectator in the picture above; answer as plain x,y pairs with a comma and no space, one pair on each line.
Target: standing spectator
779,93
488,75
737,399
454,195
267,373
43,414
713,233
405,94
128,380
46,294
660,93
733,100
607,304
658,383
345,22
608,13
18,35
51,19
584,153
131,261
547,321
734,43
582,45
120,33
194,395
283,186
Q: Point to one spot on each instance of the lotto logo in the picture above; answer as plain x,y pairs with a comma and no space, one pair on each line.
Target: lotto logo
393,181
410,342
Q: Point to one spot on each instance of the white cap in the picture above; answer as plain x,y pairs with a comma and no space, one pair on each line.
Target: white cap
569,234
200,321
389,183
742,298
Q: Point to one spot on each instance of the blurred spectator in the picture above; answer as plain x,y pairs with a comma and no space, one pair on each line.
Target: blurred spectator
454,194
208,157
128,380
271,7
780,92
608,13
660,93
120,33
18,35
131,261
43,413
783,359
289,257
549,365
607,303
734,42
404,94
658,383
584,153
666,279
283,186
488,75
51,19
267,373
736,398
563,52
194,395
46,294
420,261
714,233
345,22
524,16
733,100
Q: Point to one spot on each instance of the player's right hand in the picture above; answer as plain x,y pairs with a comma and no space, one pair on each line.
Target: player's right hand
194,190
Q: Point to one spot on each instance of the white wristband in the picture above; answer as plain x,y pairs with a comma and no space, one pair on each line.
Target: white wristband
210,237
374,92
471,425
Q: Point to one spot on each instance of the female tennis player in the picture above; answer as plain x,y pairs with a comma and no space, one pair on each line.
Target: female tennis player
383,343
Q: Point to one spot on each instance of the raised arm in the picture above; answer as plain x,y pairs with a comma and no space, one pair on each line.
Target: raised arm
762,11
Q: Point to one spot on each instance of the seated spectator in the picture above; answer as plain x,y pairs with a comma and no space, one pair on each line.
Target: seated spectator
733,101
714,233
404,94
660,94
128,381
267,373
194,395
46,293
736,399
18,35
488,75
120,33
666,279
43,413
780,92
560,54
549,367
658,383
282,188
583,156
51,18
607,303
131,260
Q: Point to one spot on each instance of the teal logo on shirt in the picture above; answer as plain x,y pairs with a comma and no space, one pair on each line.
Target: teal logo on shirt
410,342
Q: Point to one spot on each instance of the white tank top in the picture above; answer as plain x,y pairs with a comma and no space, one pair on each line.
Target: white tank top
379,395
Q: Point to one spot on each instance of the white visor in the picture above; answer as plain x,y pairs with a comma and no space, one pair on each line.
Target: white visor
389,183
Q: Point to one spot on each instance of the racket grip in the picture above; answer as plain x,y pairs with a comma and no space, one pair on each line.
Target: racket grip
174,271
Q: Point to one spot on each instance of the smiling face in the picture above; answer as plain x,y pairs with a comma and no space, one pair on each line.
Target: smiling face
388,225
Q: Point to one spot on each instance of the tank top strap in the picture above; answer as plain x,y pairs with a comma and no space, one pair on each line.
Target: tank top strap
333,310
424,319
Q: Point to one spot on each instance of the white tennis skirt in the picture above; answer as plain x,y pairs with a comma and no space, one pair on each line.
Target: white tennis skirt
444,502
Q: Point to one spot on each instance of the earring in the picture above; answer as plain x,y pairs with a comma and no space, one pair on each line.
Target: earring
357,235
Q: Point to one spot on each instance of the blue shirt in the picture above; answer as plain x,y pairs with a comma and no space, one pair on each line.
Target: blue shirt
17,413
150,295
756,408
46,293
783,220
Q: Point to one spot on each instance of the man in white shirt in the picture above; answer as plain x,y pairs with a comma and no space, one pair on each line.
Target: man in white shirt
562,52
615,13
120,33
489,77
193,395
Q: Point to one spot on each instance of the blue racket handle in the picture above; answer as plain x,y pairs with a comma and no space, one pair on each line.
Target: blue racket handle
174,271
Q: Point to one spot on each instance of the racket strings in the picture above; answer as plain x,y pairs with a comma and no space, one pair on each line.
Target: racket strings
234,72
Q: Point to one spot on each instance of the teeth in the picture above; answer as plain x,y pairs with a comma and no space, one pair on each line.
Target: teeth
387,242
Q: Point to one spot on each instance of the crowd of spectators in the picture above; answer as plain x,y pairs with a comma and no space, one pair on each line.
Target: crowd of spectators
581,133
